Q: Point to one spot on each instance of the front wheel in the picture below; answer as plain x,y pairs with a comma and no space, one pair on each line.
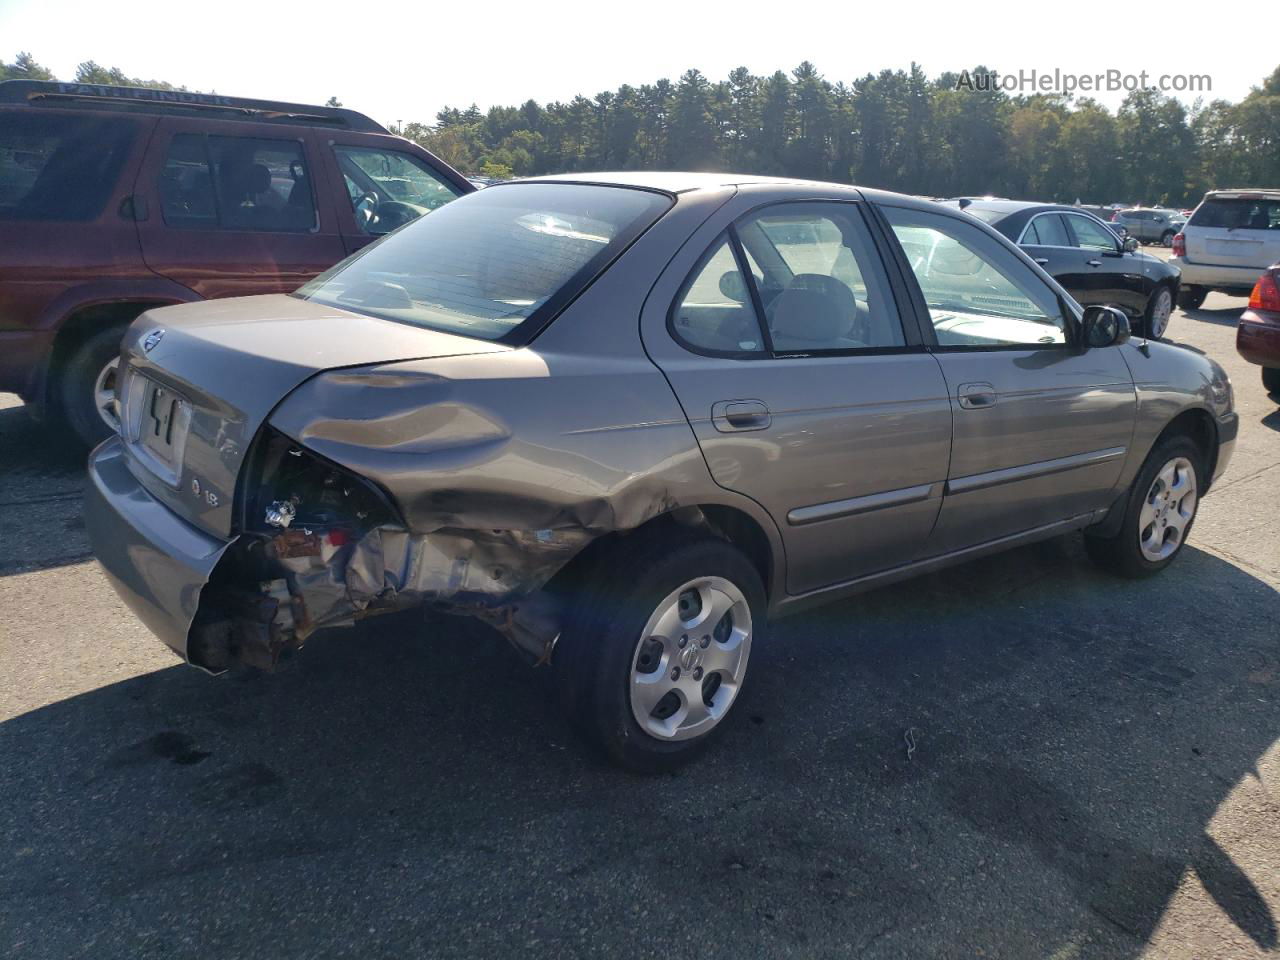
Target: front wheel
656,653
1159,309
1271,380
1159,511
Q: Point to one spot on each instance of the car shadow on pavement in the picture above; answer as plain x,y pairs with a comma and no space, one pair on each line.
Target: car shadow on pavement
1009,757
42,471
1225,316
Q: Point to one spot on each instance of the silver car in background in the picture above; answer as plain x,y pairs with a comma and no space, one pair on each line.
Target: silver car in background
627,419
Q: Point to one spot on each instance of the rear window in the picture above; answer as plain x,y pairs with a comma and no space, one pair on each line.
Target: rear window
59,167
1236,213
495,264
986,216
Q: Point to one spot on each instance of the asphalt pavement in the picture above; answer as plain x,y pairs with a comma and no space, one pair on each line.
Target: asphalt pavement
1018,758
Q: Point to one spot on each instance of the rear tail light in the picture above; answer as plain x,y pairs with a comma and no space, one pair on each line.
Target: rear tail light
1179,245
1115,218
1266,295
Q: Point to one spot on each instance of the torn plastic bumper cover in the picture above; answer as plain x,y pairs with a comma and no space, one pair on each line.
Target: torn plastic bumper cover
330,552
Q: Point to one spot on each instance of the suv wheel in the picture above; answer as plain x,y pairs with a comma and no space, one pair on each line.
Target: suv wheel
1159,307
656,652
1190,298
1166,238
1159,511
1271,380
86,387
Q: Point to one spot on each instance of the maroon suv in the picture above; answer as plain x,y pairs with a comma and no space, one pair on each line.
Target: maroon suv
115,199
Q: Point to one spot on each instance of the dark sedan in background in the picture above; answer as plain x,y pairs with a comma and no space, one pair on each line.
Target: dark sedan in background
1084,255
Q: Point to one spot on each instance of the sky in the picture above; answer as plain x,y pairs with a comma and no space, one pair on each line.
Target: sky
402,61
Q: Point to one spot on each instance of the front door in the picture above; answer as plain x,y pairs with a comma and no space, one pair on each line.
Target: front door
806,393
1041,426
234,208
1107,273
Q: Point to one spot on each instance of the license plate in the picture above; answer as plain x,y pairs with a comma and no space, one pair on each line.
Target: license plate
163,424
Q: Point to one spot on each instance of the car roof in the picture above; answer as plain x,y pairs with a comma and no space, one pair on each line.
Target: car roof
675,181
103,96
1243,193
1010,207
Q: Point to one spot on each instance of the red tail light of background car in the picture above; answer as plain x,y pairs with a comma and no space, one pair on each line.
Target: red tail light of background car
1265,295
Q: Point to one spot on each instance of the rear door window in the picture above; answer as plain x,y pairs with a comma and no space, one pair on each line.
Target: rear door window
60,167
1235,213
1047,230
237,183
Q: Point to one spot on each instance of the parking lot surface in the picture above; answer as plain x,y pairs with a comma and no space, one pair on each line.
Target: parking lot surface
1020,758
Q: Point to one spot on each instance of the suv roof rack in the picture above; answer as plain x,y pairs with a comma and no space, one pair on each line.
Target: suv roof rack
181,102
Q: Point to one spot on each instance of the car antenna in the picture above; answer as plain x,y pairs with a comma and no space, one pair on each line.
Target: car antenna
965,201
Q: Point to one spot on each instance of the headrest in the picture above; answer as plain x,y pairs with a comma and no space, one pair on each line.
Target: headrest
814,309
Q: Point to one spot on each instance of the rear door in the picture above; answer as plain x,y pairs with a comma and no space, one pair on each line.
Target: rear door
1041,427
382,183
781,335
1235,230
234,208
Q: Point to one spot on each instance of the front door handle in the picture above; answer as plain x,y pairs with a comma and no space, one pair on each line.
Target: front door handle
1094,263
976,396
738,415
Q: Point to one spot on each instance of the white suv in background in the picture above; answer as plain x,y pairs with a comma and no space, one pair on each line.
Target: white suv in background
1231,238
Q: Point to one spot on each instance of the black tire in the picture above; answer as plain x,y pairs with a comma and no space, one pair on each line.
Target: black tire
1121,553
1191,298
77,379
1271,380
1148,316
1166,238
595,654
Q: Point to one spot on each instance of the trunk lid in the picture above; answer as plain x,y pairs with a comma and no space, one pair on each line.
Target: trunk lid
201,378
1235,230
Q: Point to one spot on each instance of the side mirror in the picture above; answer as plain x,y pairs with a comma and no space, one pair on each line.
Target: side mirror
1130,245
733,286
1105,327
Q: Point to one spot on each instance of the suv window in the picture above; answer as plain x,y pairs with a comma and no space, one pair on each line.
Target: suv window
1235,213
979,294
237,183
1047,230
819,279
388,188
1090,234
714,314
59,167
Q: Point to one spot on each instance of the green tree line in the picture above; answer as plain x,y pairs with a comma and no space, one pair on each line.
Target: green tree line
897,129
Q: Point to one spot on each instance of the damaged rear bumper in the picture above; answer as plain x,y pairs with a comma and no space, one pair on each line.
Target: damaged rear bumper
157,562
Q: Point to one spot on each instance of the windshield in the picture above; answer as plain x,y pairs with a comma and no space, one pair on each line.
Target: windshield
494,260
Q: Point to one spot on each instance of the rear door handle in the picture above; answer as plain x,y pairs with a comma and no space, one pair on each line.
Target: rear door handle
975,396
1094,263
738,415
1043,261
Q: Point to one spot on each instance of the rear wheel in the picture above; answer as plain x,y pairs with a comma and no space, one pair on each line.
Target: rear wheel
86,386
1159,511
1159,309
1166,238
1190,298
656,652
1271,380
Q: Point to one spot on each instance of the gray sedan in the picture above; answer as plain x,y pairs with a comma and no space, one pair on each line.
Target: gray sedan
626,420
